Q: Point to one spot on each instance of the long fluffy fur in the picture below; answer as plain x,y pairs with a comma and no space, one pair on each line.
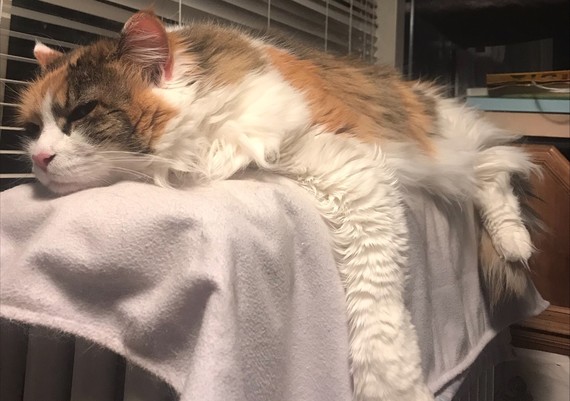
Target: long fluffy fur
354,136
355,193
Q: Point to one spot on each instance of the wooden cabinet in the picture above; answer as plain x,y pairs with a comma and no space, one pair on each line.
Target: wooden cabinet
551,264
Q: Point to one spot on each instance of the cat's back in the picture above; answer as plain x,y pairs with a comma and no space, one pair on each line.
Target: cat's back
343,94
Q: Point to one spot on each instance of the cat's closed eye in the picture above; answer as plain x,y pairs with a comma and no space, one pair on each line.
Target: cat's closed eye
31,130
82,111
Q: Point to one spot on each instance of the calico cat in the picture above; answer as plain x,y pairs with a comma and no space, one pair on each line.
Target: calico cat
202,102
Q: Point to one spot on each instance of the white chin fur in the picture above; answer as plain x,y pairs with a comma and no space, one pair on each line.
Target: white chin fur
65,187
71,182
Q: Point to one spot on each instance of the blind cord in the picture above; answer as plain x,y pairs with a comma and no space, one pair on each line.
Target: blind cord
350,27
179,12
268,14
326,25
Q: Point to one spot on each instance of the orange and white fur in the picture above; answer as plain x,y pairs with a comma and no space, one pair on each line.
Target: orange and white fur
204,102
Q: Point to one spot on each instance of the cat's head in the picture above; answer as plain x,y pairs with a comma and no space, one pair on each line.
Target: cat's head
91,113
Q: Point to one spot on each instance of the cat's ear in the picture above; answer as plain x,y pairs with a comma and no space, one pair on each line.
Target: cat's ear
45,55
144,42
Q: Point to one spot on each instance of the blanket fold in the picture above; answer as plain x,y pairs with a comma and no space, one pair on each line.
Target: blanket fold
230,292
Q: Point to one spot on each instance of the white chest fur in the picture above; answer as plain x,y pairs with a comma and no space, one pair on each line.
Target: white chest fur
223,131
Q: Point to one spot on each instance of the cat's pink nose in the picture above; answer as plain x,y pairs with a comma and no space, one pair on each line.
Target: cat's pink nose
42,159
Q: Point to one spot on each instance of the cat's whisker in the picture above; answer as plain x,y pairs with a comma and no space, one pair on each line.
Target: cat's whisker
136,160
106,181
22,157
121,152
132,172
126,152
135,157
18,181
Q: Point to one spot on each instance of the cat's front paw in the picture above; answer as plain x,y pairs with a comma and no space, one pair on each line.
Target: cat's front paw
513,243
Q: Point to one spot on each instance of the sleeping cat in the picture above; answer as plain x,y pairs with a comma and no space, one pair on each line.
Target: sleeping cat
203,102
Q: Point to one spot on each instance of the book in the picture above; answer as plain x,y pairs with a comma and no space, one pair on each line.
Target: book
529,105
542,77
531,91
545,84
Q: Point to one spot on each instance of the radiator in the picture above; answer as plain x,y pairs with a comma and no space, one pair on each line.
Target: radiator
37,364
480,389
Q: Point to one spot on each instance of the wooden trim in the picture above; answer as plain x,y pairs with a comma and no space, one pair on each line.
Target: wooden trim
549,331
549,158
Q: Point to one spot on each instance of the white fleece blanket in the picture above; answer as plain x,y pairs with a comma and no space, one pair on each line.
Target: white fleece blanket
230,292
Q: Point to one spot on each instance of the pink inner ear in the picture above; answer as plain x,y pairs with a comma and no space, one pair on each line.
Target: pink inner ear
45,55
146,42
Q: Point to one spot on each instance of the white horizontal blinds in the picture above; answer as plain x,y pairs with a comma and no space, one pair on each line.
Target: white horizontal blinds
332,25
311,21
340,26
11,165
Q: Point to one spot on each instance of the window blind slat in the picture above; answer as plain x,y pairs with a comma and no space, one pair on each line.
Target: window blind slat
46,41
17,175
12,152
17,58
13,81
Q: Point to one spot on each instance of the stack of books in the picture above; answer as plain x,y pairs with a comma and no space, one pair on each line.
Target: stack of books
532,104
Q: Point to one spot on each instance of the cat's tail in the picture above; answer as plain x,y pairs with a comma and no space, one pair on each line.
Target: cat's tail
508,222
